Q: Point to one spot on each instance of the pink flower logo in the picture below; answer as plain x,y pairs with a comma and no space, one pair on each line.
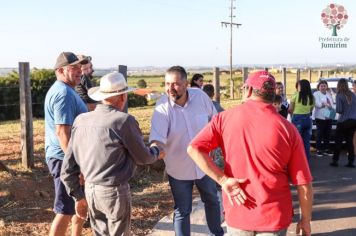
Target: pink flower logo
334,17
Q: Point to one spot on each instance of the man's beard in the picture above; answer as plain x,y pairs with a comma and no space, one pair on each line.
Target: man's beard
175,97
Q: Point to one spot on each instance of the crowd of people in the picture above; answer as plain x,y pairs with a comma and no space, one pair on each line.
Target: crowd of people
325,107
93,147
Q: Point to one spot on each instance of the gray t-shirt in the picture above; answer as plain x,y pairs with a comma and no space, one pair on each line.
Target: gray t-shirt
347,111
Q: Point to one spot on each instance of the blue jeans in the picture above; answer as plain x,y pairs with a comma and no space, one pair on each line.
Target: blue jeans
182,191
304,125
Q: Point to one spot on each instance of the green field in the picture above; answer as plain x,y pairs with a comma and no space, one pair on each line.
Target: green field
155,82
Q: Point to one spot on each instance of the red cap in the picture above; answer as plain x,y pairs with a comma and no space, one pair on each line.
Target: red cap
257,79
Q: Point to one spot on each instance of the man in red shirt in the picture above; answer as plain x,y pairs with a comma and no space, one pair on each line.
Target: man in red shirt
263,152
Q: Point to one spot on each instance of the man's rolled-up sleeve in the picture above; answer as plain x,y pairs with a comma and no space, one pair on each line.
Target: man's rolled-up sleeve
159,125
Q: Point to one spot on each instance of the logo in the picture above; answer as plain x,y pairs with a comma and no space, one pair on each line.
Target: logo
334,17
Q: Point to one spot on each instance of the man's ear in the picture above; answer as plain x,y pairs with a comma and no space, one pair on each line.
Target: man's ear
60,70
249,91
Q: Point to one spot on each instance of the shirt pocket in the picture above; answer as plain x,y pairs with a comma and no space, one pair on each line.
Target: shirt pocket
201,120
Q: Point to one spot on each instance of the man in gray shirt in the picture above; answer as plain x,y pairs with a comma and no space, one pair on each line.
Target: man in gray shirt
105,146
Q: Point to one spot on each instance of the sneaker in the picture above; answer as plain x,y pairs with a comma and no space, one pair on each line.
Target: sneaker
350,165
335,164
319,154
328,153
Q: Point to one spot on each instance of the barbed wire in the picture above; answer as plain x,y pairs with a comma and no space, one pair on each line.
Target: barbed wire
15,104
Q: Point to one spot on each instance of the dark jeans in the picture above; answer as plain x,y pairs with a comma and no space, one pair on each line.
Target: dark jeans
182,191
345,131
323,130
304,125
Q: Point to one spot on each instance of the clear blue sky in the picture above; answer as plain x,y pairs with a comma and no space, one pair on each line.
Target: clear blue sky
167,32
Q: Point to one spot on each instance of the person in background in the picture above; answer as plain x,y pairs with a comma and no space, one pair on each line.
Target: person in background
178,117
346,124
197,81
209,90
62,106
323,104
284,104
263,153
107,164
301,106
216,154
85,83
277,103
354,86
354,91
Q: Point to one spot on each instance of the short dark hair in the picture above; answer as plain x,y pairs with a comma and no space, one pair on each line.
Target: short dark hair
178,69
267,92
277,99
209,90
279,83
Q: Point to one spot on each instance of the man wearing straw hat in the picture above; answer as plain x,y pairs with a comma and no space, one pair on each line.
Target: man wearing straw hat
106,145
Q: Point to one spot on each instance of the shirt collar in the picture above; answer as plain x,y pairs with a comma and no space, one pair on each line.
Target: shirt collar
104,107
189,99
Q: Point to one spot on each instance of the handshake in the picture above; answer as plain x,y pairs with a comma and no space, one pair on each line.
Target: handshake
157,150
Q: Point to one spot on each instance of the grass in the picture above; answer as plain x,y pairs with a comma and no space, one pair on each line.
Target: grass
155,82
25,210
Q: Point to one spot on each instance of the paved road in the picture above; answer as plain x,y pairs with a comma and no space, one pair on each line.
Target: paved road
334,211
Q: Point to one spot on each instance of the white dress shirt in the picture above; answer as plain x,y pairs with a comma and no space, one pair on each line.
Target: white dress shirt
176,126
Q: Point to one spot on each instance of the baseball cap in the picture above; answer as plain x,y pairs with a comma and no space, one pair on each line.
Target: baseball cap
257,79
69,58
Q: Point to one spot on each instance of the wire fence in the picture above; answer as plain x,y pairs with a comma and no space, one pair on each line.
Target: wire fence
10,102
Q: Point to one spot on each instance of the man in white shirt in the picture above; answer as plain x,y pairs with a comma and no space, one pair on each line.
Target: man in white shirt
177,119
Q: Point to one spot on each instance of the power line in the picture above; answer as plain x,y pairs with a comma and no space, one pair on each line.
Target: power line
231,24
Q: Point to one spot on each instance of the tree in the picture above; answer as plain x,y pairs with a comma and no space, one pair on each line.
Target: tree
334,17
141,83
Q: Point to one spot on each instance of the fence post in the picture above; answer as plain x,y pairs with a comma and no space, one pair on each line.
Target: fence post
284,76
310,75
123,70
298,75
320,74
245,74
216,83
232,87
26,115
327,73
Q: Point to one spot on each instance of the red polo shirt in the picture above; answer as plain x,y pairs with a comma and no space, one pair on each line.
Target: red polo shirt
263,147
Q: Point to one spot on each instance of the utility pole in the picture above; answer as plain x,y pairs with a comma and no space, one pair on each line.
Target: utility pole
231,24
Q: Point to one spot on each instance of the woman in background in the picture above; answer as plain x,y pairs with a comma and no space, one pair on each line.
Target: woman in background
301,105
284,103
197,81
323,104
346,124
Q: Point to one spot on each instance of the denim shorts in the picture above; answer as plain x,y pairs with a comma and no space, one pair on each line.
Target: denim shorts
63,203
